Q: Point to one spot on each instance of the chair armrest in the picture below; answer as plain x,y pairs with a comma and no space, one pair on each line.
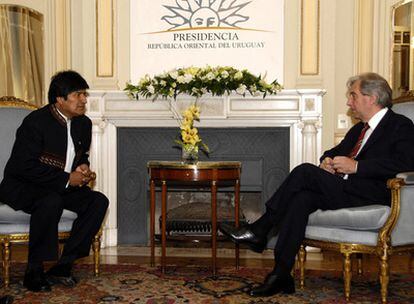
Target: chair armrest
408,177
401,221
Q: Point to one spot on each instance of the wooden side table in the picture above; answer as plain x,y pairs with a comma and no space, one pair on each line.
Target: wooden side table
202,173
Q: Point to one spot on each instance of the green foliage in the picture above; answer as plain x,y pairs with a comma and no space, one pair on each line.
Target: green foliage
196,81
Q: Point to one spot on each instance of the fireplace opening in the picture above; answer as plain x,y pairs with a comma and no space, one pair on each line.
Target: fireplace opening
189,213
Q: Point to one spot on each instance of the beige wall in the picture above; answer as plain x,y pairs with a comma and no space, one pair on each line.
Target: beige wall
326,41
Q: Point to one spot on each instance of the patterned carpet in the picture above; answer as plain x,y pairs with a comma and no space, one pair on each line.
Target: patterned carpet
140,284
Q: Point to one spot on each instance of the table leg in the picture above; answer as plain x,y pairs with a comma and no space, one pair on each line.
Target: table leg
214,225
152,221
236,217
163,224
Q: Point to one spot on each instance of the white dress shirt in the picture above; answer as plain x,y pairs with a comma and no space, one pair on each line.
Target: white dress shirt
70,150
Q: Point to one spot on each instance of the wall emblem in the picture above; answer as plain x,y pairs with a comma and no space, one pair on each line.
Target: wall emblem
205,14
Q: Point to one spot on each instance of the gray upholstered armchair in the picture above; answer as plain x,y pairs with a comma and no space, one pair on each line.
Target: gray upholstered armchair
374,229
14,225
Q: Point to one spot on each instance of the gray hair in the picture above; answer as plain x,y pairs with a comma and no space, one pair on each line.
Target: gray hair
372,84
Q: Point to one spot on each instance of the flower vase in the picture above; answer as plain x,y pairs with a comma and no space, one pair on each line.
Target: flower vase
189,156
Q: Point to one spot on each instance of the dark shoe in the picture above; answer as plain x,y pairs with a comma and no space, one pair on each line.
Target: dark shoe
274,284
244,235
35,280
6,300
61,274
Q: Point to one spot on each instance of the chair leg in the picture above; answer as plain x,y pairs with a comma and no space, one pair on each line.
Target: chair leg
359,263
384,276
6,263
347,273
97,252
302,259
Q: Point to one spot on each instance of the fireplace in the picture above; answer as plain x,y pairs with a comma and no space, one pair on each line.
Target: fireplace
269,136
264,153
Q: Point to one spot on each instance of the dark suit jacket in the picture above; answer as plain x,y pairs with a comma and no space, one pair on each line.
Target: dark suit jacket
37,162
388,151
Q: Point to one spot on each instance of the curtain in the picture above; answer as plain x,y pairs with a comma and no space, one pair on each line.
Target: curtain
22,53
6,77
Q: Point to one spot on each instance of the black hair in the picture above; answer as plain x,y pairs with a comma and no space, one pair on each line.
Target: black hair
64,83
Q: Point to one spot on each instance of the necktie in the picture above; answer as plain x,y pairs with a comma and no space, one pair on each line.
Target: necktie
358,144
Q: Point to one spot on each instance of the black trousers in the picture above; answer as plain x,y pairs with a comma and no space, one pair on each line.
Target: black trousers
46,211
306,189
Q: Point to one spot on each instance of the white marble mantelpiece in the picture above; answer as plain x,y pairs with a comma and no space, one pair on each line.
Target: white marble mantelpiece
300,110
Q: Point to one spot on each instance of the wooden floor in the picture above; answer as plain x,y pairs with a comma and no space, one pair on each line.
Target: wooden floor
401,263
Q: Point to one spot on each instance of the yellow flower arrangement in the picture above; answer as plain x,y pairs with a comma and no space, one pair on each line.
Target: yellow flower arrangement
189,139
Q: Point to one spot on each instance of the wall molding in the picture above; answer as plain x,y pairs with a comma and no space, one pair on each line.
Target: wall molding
364,10
310,37
104,38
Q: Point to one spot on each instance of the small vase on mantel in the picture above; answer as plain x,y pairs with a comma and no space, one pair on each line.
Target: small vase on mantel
189,155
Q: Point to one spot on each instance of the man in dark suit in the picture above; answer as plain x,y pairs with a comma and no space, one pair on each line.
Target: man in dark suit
48,171
352,174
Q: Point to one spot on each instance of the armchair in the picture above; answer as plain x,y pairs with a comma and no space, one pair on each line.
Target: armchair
375,229
14,225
